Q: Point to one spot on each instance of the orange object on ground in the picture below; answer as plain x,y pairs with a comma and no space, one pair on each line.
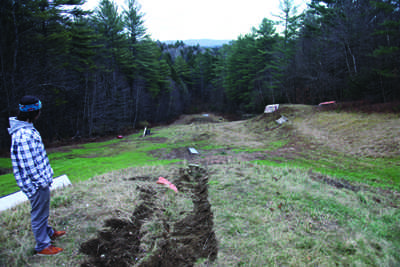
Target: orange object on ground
162,180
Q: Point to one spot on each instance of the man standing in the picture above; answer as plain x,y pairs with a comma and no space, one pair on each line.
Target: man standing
33,172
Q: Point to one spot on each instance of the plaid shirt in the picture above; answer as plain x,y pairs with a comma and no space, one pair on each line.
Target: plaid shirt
30,163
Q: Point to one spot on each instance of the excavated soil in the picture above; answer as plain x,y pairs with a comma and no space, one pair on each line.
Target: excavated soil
179,241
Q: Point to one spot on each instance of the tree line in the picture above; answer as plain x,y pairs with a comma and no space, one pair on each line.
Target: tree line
99,72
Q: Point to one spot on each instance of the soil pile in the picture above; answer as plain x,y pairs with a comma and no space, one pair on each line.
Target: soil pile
198,118
159,233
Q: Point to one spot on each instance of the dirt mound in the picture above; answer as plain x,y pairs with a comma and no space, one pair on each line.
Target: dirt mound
160,232
198,118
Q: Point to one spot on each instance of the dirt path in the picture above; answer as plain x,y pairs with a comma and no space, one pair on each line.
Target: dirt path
177,242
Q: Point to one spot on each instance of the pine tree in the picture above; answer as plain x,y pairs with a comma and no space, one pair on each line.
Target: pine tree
241,73
387,54
266,41
283,78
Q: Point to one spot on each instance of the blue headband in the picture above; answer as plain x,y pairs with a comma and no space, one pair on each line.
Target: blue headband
31,107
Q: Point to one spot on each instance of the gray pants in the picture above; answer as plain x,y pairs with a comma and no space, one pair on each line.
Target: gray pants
40,203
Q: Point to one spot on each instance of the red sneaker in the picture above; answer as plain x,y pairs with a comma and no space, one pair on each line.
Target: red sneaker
50,250
57,234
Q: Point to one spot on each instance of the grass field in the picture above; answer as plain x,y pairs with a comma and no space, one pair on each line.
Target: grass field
319,190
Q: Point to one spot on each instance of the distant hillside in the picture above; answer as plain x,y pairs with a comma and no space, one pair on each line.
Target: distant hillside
201,42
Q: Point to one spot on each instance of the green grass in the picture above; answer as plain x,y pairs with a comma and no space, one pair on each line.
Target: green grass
211,147
5,163
268,216
8,184
377,171
80,169
382,173
94,159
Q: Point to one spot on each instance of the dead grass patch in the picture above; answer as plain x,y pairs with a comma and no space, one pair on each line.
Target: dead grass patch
371,135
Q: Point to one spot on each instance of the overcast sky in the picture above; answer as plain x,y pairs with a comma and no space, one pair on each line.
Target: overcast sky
203,19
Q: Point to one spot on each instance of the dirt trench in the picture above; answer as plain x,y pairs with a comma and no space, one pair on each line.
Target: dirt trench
180,242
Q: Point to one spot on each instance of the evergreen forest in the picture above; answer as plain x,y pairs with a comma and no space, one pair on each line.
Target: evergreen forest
99,72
